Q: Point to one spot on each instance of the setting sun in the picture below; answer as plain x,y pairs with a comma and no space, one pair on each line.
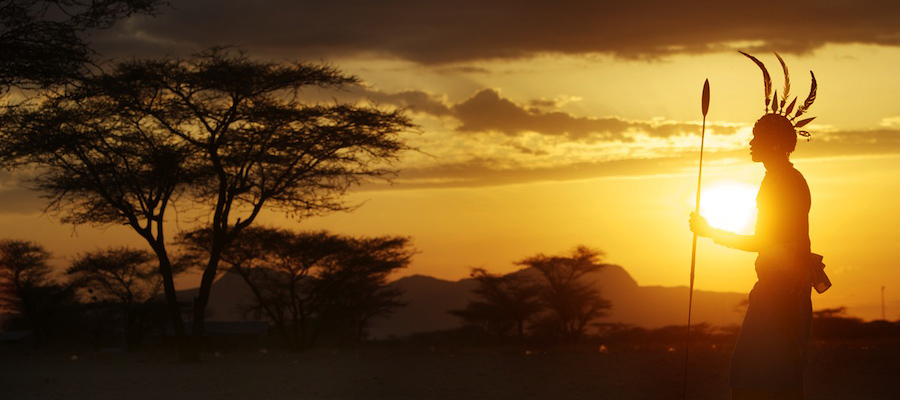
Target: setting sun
730,206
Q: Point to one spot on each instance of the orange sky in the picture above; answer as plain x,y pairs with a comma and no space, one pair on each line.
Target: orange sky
546,129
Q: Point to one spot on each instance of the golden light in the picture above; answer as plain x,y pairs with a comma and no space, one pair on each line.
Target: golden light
730,206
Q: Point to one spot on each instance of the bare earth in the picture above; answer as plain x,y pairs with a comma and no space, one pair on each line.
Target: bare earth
845,371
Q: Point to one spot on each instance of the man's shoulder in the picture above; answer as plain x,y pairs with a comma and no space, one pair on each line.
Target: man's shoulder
797,184
794,175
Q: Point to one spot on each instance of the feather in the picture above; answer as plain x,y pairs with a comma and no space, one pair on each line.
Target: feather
803,123
791,107
787,79
767,80
775,102
809,100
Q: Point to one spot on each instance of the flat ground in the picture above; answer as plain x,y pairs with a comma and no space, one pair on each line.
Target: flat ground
836,371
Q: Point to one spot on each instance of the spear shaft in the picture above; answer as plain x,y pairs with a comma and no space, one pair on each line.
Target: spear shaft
687,349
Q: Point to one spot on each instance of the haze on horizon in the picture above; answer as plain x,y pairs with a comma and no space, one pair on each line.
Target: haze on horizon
543,127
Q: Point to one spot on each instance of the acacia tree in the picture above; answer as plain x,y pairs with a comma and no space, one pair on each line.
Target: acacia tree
98,165
305,283
353,285
505,302
28,291
126,278
228,134
572,302
43,43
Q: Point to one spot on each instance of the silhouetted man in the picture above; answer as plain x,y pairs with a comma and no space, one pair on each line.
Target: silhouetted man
770,354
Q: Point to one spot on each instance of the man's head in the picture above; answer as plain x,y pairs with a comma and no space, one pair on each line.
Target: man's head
773,136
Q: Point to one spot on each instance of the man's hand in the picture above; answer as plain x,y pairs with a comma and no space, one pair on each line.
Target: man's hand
700,226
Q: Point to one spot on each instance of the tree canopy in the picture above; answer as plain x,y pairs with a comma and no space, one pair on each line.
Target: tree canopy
43,43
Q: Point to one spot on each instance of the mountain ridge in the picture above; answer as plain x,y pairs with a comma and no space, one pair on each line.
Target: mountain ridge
428,302
632,304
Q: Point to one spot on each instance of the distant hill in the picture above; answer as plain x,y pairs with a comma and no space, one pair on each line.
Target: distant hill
429,300
657,306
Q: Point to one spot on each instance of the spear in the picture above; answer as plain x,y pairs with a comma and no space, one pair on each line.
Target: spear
687,349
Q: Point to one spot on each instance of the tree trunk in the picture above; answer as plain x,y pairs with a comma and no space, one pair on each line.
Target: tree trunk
174,310
202,299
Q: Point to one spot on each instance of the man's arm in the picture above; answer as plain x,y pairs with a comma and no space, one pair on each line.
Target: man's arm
723,237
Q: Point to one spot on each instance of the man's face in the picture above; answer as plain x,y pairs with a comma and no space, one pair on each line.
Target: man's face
761,147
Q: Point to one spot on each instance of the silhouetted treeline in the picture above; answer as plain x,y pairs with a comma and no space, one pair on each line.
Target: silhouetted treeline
44,43
30,296
312,285
834,324
829,325
550,300
317,288
309,286
105,298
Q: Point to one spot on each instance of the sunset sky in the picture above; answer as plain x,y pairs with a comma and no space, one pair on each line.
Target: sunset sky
546,125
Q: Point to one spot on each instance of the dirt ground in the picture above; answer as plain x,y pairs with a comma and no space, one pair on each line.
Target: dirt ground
836,371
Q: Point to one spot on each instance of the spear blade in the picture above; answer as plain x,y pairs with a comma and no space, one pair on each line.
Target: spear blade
705,101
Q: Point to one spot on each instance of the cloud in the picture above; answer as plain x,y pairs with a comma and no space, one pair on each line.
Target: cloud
550,163
442,32
864,142
481,172
415,100
890,122
559,101
487,110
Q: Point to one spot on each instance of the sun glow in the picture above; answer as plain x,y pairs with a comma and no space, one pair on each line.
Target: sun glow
730,206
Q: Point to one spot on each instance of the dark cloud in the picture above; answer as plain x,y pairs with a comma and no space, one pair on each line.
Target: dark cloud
416,101
435,32
487,110
544,103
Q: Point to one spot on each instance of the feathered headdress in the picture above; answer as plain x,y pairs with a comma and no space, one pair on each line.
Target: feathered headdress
778,105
